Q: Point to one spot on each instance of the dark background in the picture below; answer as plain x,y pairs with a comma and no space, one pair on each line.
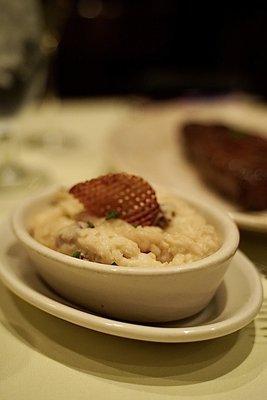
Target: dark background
161,48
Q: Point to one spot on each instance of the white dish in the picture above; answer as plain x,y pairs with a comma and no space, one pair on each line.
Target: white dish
235,304
148,145
146,294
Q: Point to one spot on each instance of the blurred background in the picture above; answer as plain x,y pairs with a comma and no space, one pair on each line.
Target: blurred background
53,52
160,48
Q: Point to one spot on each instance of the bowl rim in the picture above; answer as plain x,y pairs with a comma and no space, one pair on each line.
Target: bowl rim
225,252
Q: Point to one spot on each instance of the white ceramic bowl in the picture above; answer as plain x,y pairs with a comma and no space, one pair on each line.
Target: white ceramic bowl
145,294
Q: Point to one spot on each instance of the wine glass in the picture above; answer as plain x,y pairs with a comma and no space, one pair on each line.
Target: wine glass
56,14
22,80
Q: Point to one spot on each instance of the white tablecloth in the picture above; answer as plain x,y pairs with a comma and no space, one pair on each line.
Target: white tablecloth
43,357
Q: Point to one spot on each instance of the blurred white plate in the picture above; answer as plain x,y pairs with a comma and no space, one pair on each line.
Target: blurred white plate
148,144
229,310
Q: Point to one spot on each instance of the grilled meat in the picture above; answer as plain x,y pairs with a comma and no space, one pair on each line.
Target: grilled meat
233,162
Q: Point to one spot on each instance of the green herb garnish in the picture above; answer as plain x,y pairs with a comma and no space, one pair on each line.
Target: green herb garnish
76,254
90,224
114,263
112,215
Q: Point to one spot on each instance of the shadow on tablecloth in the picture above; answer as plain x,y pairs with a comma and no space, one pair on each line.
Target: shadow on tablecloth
130,361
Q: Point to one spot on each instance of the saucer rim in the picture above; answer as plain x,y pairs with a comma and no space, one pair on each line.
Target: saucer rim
142,332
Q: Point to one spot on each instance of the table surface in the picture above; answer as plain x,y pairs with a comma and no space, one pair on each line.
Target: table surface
43,357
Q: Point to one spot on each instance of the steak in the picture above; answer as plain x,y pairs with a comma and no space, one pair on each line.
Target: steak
233,162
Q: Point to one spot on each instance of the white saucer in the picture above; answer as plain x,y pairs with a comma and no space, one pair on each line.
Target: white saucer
235,304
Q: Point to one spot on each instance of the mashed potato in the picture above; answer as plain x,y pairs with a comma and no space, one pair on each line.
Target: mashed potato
66,227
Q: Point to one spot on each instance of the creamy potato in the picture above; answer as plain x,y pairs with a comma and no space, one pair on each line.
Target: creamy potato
65,226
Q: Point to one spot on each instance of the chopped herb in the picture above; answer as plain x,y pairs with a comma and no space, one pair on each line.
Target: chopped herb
112,215
114,263
90,224
135,225
77,254
161,221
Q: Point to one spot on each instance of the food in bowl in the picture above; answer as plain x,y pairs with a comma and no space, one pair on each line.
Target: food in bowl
135,293
118,219
233,162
